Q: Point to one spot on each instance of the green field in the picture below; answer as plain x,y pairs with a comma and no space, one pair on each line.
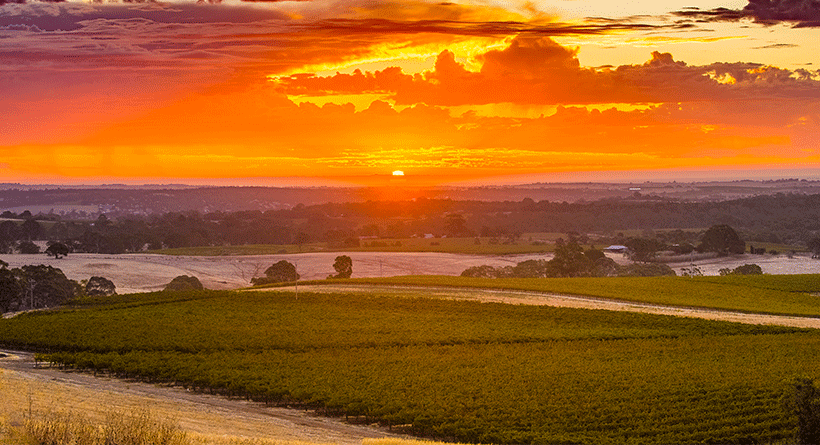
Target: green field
467,371
487,246
766,294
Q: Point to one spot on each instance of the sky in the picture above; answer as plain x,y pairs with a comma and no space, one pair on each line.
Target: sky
319,92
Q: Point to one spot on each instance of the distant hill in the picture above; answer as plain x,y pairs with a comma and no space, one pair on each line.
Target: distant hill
117,199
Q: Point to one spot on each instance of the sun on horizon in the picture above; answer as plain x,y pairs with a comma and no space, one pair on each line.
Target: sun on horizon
458,90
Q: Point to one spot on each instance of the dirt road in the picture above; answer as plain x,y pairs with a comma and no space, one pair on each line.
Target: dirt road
209,419
574,301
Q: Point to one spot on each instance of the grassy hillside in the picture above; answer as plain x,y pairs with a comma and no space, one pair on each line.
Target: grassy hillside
466,371
770,294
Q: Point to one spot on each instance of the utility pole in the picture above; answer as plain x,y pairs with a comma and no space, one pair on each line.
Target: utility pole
31,293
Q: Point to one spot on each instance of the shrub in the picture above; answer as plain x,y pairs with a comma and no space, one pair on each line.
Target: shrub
183,283
27,247
484,271
101,286
746,269
646,270
343,266
279,272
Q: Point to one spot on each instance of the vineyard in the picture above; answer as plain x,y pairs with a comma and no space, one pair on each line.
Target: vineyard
765,294
454,370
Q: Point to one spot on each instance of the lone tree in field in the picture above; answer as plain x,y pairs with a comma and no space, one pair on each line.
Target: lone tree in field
280,272
343,266
722,239
57,250
101,287
184,282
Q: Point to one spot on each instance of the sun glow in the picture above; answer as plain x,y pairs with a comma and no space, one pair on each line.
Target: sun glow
398,173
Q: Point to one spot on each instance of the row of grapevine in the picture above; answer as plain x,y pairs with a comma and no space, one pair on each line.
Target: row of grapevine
461,371
776,294
539,393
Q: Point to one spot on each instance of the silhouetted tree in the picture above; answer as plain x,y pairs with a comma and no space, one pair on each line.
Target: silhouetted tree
57,250
9,231
343,267
569,261
455,225
531,269
643,249
646,270
746,269
44,286
101,286
483,271
30,230
279,272
722,239
28,247
9,288
184,283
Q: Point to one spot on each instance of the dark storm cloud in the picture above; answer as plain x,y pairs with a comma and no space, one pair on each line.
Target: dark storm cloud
70,17
777,46
385,26
800,13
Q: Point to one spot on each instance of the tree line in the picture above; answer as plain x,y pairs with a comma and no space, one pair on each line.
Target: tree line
41,286
570,259
789,219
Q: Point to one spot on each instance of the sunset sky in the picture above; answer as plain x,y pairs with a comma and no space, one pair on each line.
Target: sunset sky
345,92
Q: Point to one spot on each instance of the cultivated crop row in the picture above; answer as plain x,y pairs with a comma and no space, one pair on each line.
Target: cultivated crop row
457,370
771,294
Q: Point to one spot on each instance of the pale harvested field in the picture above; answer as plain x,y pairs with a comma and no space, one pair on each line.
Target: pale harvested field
144,273
771,264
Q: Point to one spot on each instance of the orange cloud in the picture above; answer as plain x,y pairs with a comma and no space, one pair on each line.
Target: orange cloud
539,71
260,133
181,90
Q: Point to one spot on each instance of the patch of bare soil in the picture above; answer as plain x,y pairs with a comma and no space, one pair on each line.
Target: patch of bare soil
26,388
133,273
